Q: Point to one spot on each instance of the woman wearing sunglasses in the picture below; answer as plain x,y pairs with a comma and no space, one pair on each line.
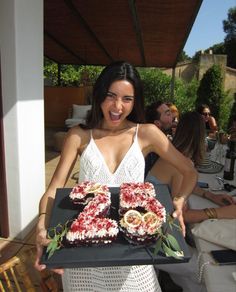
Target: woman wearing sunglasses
210,122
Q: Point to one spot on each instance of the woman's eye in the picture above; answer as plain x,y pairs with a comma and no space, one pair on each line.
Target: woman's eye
110,96
128,98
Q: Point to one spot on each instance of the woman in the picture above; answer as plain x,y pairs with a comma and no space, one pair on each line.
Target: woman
112,146
210,122
190,140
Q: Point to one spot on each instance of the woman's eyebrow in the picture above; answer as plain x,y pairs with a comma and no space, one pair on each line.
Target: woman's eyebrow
113,93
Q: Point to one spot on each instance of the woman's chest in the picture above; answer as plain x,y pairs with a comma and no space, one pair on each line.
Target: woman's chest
114,149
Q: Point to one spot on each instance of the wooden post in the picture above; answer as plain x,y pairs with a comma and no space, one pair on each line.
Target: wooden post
172,85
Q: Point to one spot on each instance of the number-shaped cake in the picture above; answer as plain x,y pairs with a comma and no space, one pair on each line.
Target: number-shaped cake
141,213
92,225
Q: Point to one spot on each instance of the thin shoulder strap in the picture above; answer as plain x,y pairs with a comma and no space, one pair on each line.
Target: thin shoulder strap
136,132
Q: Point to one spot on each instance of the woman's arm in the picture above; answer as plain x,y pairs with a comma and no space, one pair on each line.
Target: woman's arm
68,158
65,165
212,123
197,216
156,141
219,199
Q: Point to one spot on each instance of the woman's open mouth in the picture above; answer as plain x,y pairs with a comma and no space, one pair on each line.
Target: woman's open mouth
115,116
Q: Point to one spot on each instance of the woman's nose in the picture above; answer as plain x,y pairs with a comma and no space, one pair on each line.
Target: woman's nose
118,103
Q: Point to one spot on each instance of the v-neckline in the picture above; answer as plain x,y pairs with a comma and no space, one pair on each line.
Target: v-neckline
103,159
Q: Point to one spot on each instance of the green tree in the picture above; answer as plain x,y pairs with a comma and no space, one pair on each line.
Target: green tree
51,71
229,26
196,57
70,75
183,57
218,49
185,95
224,111
232,113
210,90
156,85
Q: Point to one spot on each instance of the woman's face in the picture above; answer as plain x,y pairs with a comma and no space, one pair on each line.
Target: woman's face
118,103
206,113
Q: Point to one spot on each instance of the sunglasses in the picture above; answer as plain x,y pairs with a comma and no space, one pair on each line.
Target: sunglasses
206,114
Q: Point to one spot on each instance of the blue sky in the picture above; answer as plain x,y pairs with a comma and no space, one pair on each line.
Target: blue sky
207,29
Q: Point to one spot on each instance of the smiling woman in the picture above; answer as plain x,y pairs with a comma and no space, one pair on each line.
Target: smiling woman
118,102
112,144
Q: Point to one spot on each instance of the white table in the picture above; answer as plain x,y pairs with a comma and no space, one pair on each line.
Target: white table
217,278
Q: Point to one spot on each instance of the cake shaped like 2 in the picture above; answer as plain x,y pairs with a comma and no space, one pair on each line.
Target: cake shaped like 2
92,226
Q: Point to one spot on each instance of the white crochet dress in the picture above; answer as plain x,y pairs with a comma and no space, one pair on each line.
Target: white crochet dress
107,279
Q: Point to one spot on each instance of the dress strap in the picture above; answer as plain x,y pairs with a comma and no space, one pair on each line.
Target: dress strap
136,132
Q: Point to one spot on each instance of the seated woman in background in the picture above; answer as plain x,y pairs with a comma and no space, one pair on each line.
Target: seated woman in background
210,122
190,140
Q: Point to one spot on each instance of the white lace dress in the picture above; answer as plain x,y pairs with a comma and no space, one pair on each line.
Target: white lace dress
107,279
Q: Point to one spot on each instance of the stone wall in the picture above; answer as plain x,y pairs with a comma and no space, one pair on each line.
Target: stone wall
208,60
230,80
188,70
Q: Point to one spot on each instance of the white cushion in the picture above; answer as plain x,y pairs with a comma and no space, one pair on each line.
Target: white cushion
74,122
219,231
80,111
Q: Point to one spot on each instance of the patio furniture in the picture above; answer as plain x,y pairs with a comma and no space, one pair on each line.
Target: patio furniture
14,276
18,274
78,115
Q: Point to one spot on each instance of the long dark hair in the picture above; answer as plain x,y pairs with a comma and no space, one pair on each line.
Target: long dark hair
189,137
116,71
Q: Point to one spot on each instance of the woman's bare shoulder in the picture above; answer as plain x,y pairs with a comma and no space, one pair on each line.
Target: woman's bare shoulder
78,131
151,134
78,136
147,129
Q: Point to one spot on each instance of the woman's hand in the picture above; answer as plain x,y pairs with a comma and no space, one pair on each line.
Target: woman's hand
221,199
179,204
41,241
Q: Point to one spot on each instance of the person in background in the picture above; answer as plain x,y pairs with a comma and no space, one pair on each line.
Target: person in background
210,122
190,140
113,136
159,114
175,117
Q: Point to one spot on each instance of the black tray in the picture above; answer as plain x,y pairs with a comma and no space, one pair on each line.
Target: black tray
120,252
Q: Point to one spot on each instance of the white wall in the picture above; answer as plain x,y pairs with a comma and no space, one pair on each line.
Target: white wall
21,38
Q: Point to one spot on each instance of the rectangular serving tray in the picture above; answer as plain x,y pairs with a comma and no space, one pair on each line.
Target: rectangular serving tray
120,252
